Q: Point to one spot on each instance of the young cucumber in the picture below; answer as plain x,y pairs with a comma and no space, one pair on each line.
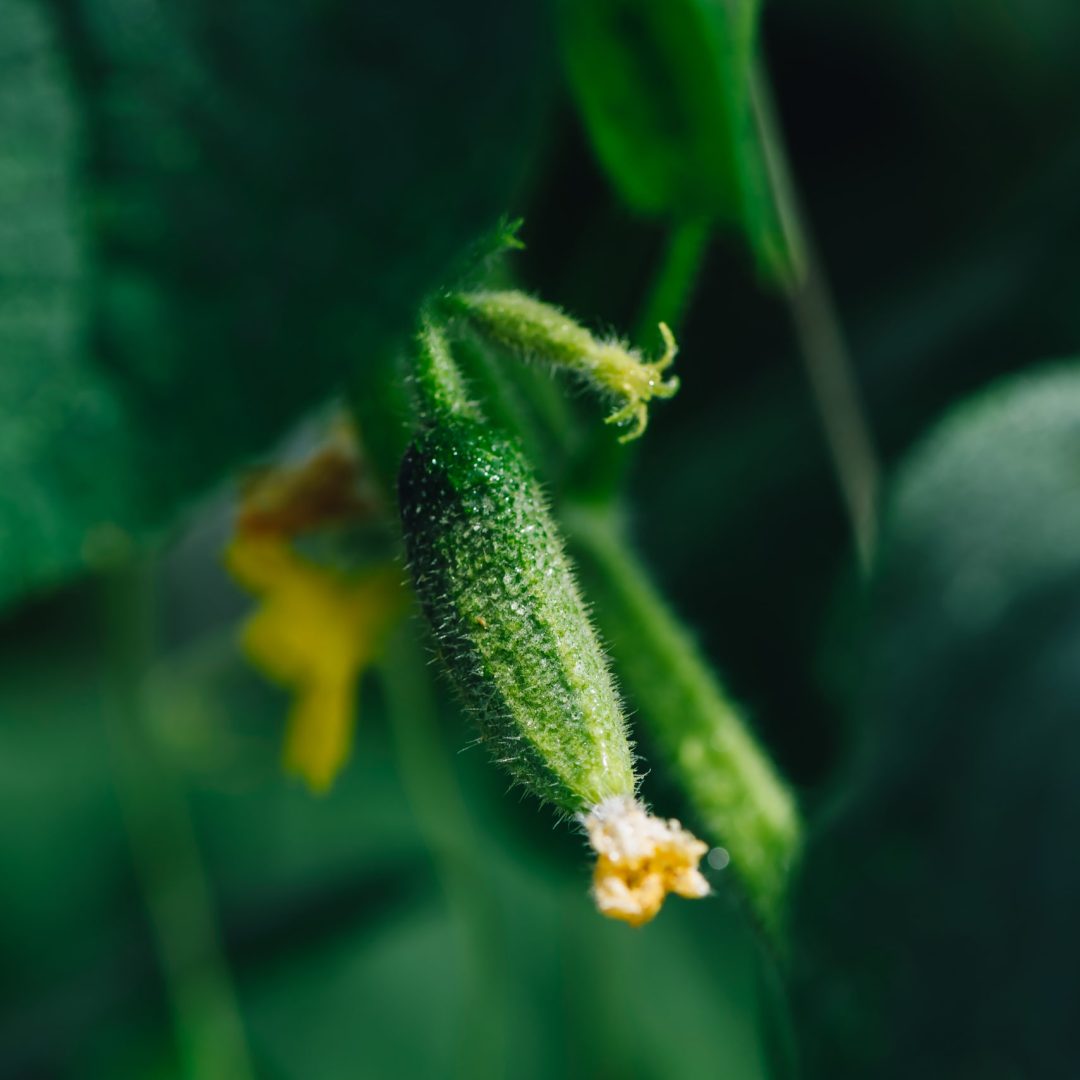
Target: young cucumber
489,568
497,589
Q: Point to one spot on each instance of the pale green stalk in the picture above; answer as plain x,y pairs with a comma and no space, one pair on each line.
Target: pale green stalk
821,340
439,389
533,329
604,462
672,287
736,792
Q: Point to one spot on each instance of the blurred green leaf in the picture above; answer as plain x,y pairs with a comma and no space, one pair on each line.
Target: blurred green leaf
665,94
211,218
347,957
65,454
660,87
585,999
942,890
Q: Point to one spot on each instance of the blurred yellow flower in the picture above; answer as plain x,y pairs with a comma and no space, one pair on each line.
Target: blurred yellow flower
315,631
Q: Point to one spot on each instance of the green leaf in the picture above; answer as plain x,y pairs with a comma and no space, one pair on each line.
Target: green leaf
664,92
346,922
64,453
935,916
213,218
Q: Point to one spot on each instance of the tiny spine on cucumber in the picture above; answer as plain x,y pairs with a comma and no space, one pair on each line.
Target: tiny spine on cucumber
533,329
498,592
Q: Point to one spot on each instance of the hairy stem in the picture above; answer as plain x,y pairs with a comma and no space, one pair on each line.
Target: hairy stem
730,781
603,463
821,340
438,384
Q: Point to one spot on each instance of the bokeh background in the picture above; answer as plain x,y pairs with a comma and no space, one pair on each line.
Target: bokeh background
210,215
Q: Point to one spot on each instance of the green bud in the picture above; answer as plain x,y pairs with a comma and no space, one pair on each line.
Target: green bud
537,330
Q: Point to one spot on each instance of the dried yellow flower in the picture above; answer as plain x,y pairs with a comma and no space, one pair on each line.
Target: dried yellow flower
324,490
640,859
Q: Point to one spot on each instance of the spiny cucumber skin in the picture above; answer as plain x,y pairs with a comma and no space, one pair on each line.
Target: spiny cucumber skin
489,568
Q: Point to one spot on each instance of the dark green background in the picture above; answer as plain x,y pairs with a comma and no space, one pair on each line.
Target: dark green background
213,218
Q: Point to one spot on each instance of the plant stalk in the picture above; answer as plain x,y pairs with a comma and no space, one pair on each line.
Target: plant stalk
820,336
439,388
730,781
604,462
672,288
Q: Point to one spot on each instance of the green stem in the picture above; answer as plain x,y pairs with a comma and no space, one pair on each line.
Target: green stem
730,781
166,854
821,340
604,462
450,834
672,288
439,387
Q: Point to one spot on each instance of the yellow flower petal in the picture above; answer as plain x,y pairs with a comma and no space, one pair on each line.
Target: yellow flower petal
319,736
315,631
